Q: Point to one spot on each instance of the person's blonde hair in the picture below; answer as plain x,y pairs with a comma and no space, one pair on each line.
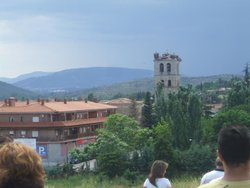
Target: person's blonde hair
20,167
158,170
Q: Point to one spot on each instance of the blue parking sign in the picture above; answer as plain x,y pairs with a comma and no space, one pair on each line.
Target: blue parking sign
42,150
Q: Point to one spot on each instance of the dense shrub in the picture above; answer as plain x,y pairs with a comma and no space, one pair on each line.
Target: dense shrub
196,160
59,170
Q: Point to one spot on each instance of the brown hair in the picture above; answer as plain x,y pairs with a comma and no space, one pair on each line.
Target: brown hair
158,170
20,167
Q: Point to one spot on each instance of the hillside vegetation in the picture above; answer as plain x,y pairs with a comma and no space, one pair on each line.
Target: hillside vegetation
8,90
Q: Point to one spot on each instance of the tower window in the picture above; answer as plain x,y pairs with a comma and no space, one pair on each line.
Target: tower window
161,67
168,67
169,83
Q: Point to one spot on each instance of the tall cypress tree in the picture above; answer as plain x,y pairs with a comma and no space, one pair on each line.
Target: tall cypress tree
133,111
147,119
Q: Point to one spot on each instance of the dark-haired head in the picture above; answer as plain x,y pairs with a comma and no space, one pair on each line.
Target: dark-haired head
158,170
234,145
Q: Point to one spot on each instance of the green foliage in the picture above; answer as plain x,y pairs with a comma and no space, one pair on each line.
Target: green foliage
147,117
185,111
163,149
130,176
196,160
147,157
133,111
160,105
231,116
247,75
91,97
212,85
60,171
208,132
143,137
111,154
123,127
240,94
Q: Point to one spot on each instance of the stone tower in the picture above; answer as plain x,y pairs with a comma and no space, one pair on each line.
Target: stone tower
166,70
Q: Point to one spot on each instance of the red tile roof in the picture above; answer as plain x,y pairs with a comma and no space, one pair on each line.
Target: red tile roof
48,107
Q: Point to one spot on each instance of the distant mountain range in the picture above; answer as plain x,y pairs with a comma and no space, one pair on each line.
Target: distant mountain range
82,78
104,82
24,76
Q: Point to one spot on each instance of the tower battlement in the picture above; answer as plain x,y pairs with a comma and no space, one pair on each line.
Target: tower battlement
166,56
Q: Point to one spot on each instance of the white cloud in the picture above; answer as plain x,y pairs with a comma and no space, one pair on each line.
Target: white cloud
27,28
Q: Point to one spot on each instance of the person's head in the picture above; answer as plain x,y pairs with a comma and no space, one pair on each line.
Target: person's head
158,170
234,145
20,167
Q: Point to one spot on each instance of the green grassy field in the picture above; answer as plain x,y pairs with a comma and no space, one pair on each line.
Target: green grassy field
97,182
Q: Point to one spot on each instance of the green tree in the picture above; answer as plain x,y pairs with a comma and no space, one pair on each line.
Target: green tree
91,97
196,160
163,149
184,112
247,75
231,116
123,127
112,154
194,117
160,103
133,111
147,117
239,94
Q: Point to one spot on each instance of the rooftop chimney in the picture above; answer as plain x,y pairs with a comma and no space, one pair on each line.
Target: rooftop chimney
42,102
65,101
28,102
6,102
12,101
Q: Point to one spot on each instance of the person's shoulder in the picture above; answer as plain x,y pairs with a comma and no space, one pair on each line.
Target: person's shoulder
146,182
163,181
214,184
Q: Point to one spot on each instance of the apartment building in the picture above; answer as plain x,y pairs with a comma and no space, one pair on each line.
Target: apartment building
56,126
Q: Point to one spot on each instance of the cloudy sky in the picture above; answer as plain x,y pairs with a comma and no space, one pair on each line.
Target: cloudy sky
211,36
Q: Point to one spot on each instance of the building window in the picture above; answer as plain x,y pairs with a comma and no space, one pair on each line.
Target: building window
21,118
35,119
34,133
11,132
23,133
161,67
169,83
11,119
168,67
